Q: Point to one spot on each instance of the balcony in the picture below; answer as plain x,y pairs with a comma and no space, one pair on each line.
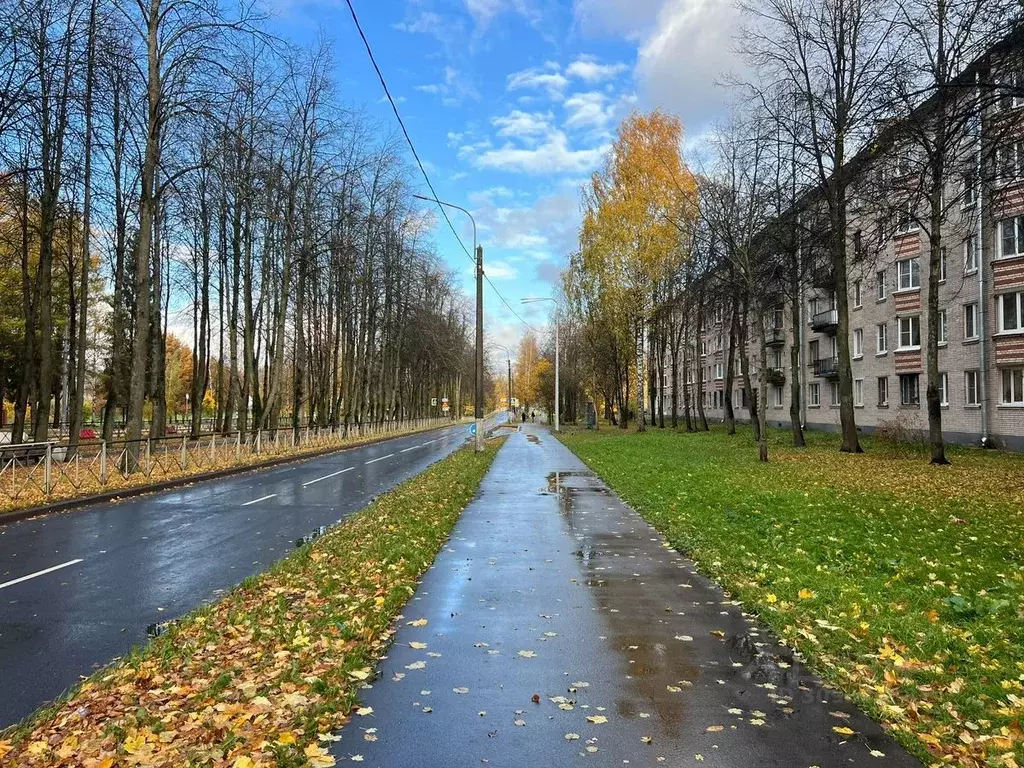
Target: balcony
775,337
825,322
826,368
776,377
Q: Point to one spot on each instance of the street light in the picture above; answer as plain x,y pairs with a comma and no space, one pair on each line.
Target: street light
534,300
508,355
478,252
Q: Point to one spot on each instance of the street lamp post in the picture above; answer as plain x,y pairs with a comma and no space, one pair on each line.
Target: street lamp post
478,254
534,300
508,357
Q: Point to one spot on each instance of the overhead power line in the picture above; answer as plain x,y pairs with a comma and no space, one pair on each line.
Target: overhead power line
415,154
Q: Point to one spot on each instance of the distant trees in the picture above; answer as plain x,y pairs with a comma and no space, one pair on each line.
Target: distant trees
172,171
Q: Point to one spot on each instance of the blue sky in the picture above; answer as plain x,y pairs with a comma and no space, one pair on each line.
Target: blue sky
512,103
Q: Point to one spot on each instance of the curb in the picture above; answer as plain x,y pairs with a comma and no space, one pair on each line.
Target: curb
177,482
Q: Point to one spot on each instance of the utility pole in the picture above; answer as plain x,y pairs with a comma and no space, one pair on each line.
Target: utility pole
509,389
478,416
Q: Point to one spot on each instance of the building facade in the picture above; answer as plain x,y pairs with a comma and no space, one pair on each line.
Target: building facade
981,300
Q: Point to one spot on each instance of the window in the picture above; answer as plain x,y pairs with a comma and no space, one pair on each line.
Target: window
943,389
812,306
1013,85
880,277
777,394
814,395
970,321
858,392
858,244
942,265
883,391
943,327
1011,237
971,254
1010,161
883,338
970,196
719,315
858,342
910,390
813,352
1010,310
833,388
971,388
718,343
907,221
777,318
908,274
719,371
856,293
703,349
910,331
777,359
1013,386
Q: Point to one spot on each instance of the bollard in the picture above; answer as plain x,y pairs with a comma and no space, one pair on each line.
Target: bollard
47,468
149,456
238,445
103,463
259,440
213,448
184,454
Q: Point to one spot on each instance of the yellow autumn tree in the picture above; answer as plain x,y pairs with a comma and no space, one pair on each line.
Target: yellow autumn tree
636,210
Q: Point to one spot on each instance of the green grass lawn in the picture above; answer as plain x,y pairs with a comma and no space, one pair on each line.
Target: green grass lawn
264,676
901,582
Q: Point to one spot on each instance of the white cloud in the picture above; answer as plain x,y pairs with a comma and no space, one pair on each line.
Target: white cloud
542,230
547,78
684,49
523,125
591,110
588,69
552,155
500,270
485,11
454,89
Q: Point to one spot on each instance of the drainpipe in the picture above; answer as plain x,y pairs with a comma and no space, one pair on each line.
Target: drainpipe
986,440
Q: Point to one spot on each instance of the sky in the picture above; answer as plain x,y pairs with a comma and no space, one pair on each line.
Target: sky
512,104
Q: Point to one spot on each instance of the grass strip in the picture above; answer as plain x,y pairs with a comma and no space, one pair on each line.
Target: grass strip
901,582
265,675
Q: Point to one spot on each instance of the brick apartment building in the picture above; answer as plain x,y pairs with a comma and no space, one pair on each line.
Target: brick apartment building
981,299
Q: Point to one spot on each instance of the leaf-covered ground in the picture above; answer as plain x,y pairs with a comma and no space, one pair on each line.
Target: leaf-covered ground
264,676
900,581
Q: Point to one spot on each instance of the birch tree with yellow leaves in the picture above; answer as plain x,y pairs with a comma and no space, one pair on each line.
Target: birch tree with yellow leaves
635,209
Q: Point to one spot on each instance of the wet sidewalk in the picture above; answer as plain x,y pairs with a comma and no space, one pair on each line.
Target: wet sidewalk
558,627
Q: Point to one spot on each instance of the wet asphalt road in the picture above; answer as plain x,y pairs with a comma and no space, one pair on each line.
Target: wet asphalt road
156,557
550,586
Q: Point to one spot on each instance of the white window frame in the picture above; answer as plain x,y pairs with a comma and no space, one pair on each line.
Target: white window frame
907,223
833,392
912,273
1018,237
883,391
912,322
971,321
1010,161
1011,382
1016,300
881,277
777,392
943,327
858,393
971,254
857,302
944,389
970,194
719,371
972,381
942,264
1014,81
858,343
904,400
814,394
881,338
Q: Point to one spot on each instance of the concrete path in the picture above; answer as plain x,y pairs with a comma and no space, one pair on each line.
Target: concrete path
80,588
561,628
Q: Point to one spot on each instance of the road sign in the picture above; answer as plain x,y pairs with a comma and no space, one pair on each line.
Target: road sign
433,402
444,404
472,429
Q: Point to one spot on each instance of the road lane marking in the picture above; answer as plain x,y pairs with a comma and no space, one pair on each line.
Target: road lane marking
325,477
261,498
380,458
413,448
40,573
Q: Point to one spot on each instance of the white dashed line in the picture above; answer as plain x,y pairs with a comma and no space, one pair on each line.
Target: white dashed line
261,498
413,448
380,458
333,474
40,573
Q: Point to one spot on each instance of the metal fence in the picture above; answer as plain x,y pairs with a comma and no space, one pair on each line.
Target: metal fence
45,471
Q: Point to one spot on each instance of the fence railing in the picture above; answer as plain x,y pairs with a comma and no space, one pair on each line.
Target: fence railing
43,471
